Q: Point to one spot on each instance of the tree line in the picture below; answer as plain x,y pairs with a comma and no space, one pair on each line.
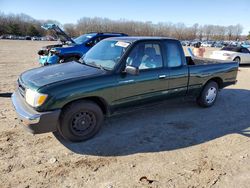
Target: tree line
23,25
168,29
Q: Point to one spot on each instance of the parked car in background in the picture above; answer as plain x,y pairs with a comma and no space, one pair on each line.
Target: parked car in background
36,38
238,54
70,49
185,43
116,74
192,43
21,38
48,38
245,44
208,44
12,37
27,37
218,44
15,37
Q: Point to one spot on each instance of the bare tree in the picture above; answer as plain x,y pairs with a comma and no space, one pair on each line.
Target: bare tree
208,31
179,31
238,31
22,24
230,31
70,29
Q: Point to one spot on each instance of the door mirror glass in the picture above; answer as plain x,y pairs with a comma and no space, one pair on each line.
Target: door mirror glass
132,70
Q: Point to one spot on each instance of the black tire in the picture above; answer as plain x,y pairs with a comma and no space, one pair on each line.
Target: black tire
208,94
80,121
237,59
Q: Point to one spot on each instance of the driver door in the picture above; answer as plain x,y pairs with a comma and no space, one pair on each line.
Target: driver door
152,81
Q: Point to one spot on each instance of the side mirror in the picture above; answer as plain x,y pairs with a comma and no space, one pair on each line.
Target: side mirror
132,70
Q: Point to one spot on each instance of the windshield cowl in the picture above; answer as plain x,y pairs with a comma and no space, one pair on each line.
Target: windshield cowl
92,64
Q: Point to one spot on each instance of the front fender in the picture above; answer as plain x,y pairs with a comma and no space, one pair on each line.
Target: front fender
53,59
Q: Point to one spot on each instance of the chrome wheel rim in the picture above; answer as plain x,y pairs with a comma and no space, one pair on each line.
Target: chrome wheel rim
211,95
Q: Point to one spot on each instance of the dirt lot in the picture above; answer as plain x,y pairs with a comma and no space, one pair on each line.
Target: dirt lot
175,144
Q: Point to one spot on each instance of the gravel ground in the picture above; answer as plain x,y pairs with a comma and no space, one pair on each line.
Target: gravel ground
174,144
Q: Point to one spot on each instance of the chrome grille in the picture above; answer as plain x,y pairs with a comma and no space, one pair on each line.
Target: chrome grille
21,88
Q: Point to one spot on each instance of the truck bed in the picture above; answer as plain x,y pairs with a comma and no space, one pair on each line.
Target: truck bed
203,69
202,61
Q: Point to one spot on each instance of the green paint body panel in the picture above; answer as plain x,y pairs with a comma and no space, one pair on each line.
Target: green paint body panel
116,89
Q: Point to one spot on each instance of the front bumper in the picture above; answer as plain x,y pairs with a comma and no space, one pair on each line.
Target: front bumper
35,122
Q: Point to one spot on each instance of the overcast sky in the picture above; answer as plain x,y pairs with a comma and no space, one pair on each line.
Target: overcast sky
189,12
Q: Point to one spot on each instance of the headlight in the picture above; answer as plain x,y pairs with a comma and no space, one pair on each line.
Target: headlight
34,98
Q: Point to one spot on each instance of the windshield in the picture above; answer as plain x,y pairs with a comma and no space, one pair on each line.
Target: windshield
83,38
105,54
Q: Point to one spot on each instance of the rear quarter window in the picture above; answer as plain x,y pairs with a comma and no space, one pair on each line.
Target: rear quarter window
173,54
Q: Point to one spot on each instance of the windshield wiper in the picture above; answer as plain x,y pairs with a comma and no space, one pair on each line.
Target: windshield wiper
92,64
81,61
97,65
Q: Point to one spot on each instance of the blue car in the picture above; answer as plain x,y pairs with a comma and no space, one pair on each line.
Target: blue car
69,49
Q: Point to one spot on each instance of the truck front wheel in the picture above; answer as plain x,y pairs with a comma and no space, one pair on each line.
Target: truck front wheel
80,121
208,95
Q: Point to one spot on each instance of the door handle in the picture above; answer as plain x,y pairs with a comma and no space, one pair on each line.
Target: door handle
126,81
162,76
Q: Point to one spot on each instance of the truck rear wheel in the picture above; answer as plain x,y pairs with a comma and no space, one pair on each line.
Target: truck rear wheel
208,95
80,121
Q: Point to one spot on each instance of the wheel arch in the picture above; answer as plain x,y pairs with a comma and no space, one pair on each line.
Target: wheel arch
98,100
237,56
218,80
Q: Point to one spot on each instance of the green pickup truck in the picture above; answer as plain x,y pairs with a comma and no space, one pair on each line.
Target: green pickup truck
116,74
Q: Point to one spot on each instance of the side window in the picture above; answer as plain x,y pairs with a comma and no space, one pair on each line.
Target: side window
145,56
244,50
173,54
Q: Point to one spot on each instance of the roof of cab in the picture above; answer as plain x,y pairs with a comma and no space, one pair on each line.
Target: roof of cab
139,38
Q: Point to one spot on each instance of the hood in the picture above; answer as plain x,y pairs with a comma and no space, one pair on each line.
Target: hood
59,32
39,77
